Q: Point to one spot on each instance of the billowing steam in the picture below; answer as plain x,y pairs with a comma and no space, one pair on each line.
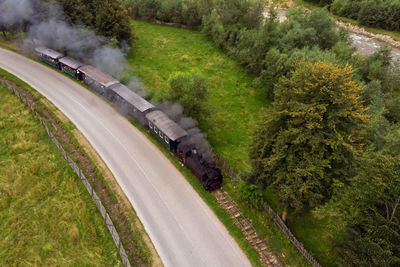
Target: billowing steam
137,86
195,136
12,11
52,31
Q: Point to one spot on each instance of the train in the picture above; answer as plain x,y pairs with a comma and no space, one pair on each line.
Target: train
165,130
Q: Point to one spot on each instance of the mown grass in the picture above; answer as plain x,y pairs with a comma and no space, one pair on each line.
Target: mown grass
160,51
46,215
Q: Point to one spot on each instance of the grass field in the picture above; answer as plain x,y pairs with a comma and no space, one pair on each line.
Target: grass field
160,51
46,216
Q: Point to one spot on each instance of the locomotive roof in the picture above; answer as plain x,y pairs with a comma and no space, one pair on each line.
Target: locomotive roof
48,52
131,97
166,125
70,62
98,76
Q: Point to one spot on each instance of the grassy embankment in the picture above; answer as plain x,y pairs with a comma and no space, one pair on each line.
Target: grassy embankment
46,215
137,243
159,51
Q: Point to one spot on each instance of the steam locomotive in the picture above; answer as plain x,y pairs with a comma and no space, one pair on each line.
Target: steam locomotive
170,134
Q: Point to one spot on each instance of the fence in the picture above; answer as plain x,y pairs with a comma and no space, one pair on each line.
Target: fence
78,171
291,237
224,166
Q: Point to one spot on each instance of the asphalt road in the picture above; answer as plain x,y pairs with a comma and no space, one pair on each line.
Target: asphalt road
182,227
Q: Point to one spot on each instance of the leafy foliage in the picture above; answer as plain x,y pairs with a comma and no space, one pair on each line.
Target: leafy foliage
368,210
307,143
383,14
191,91
107,17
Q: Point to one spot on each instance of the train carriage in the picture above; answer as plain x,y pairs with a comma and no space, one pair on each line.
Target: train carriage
70,66
130,102
97,80
160,125
166,130
49,56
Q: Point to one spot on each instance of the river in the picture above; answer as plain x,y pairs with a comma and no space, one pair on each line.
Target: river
364,44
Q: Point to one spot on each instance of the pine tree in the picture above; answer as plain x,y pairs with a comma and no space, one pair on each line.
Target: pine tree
307,142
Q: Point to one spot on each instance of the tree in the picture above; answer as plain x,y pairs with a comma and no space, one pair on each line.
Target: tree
191,91
307,142
107,17
368,213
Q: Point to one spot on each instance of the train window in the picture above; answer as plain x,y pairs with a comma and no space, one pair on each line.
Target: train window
161,134
150,125
166,139
155,129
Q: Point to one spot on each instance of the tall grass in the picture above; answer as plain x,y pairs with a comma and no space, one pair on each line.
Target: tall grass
46,215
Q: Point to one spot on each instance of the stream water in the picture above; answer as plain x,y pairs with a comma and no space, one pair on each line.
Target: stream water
364,44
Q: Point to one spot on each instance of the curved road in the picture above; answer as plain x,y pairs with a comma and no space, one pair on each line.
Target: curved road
182,227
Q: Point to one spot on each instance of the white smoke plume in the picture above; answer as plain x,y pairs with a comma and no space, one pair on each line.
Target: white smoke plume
12,11
52,31
137,86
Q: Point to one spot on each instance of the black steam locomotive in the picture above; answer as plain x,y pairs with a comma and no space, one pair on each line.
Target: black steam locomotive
170,134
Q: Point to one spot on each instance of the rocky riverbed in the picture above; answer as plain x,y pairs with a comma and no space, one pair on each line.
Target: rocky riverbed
365,42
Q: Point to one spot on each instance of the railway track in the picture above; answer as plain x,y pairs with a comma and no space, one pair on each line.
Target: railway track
267,257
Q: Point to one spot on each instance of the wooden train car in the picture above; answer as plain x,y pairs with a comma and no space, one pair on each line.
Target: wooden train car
49,56
166,130
131,103
70,66
96,79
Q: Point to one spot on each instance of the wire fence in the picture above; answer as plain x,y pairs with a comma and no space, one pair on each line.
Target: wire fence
278,221
80,174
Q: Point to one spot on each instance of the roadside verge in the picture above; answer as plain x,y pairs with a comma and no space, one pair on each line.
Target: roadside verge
138,246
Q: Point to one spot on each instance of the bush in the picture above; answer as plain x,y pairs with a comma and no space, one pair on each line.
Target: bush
251,194
187,87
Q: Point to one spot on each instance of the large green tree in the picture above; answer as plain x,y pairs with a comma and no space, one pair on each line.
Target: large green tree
307,142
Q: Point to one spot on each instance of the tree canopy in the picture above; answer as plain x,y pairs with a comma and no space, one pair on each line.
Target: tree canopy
308,141
107,17
191,91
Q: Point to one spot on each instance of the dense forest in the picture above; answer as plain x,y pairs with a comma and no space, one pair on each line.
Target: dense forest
330,141
384,14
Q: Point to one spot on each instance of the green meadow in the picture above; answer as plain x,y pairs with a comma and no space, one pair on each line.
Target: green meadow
46,216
